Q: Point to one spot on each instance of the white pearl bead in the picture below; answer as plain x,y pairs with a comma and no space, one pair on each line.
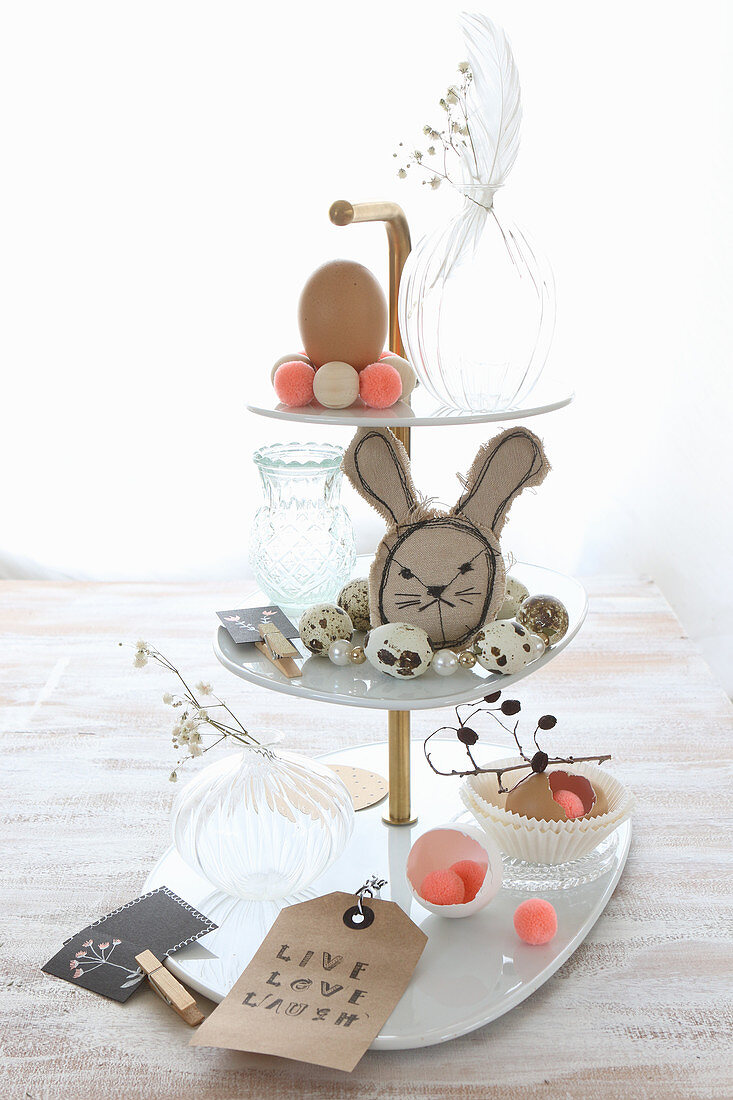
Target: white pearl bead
339,652
445,662
538,646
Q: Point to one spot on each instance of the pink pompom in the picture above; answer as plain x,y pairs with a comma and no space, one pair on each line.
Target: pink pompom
293,383
535,921
380,385
386,353
472,874
571,804
443,888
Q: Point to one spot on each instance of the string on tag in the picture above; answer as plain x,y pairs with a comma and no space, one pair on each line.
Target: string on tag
357,916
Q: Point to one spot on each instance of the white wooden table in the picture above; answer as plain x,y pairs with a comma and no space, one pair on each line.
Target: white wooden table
643,1009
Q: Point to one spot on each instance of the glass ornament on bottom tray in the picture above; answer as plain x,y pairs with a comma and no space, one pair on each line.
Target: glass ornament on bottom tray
262,824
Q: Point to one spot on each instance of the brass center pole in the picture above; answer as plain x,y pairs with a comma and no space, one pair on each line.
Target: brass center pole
398,237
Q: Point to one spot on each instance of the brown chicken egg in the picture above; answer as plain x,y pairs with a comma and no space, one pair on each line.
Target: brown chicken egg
342,314
534,796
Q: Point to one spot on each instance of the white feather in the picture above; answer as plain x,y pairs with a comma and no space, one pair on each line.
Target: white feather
494,103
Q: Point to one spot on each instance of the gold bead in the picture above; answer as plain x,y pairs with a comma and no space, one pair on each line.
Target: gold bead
357,655
467,659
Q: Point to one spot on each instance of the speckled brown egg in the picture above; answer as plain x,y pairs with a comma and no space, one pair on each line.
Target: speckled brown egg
503,646
342,314
514,593
354,599
323,624
399,649
534,796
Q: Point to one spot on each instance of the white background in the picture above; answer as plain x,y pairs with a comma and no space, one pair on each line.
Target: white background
167,172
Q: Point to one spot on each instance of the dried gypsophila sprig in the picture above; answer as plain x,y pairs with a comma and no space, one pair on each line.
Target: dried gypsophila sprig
468,737
195,719
447,146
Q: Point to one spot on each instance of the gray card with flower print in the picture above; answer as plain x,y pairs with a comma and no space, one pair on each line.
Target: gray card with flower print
243,623
102,956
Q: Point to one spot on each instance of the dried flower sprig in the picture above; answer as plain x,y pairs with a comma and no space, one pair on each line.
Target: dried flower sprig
195,719
447,145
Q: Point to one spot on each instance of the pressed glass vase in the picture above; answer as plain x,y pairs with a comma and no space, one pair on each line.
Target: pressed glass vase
302,547
262,824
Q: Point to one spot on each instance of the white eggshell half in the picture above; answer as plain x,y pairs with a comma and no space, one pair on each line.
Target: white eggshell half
405,371
504,646
323,624
514,594
297,357
399,649
438,849
336,385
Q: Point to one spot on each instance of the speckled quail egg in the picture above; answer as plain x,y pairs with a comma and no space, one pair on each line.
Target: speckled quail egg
323,624
399,649
514,593
354,599
504,646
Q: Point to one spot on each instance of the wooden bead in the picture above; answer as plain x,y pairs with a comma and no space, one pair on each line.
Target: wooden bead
336,385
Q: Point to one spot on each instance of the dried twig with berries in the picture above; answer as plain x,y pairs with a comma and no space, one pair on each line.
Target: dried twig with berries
468,737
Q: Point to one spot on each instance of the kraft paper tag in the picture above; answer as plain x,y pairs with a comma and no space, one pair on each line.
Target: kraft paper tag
320,987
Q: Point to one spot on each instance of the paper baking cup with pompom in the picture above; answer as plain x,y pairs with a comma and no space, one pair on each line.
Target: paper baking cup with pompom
550,842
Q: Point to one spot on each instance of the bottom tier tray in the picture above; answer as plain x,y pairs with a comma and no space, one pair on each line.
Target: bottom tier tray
472,970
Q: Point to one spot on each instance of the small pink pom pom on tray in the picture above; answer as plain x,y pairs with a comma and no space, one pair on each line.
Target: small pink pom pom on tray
535,921
380,385
294,383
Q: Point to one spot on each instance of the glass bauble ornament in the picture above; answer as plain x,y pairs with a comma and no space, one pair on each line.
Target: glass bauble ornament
262,824
545,616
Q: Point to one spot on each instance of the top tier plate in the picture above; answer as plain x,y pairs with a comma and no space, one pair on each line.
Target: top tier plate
423,411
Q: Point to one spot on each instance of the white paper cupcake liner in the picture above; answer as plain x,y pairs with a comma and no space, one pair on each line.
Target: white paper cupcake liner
546,841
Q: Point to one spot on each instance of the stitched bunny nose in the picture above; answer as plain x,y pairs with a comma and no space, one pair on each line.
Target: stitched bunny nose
437,590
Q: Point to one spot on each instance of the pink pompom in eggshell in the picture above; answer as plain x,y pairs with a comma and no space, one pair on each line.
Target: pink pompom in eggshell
535,921
380,385
472,874
571,804
443,888
293,383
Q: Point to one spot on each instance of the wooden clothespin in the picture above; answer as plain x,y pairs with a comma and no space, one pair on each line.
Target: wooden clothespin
169,988
279,650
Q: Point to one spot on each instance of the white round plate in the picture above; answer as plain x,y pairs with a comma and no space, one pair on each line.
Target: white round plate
364,686
471,971
423,411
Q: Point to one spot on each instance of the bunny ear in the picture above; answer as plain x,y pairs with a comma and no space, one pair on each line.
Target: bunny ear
503,467
377,466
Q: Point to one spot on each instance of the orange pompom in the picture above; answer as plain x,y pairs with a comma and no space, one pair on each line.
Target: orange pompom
380,385
535,921
293,383
472,874
443,888
571,804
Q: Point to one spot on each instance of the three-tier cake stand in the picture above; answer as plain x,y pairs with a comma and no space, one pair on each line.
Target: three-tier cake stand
472,970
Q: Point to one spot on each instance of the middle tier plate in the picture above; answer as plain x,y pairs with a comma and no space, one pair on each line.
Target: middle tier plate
364,686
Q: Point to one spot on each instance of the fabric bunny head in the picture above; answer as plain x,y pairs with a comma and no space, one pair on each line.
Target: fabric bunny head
439,570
